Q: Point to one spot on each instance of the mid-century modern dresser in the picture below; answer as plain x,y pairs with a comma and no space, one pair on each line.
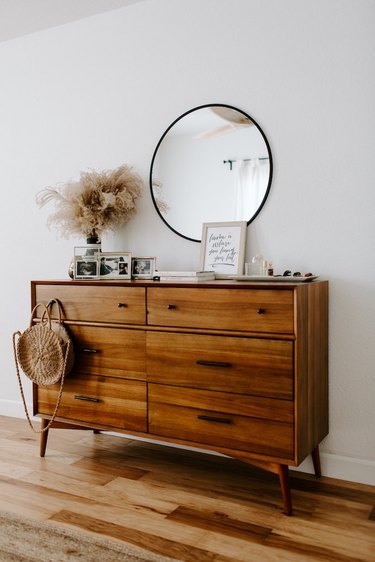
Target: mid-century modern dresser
235,367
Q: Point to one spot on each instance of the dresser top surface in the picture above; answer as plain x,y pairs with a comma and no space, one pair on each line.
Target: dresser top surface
211,284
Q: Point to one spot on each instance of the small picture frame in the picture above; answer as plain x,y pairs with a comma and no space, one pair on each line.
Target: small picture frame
143,268
87,251
223,247
115,265
86,268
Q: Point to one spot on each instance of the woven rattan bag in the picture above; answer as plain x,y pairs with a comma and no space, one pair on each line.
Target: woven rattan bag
44,352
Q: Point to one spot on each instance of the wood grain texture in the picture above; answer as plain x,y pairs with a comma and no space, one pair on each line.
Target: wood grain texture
243,365
311,369
223,419
231,309
93,303
109,351
88,398
188,505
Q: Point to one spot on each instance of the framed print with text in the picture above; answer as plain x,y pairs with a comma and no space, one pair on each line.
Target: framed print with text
223,247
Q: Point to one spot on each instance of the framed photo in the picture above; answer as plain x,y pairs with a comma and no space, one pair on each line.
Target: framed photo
115,265
223,247
87,251
86,268
143,268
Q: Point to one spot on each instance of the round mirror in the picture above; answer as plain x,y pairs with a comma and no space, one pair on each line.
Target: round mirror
212,164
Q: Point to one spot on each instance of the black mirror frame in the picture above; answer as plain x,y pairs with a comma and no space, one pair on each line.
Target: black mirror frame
170,127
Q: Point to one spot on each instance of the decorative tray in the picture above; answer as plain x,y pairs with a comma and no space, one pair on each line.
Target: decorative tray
276,278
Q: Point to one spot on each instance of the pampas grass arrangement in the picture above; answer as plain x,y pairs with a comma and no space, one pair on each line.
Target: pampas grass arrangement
98,202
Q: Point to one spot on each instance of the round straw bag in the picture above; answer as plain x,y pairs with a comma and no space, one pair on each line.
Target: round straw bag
44,351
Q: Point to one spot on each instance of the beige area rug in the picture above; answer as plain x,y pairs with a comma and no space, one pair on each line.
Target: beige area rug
26,540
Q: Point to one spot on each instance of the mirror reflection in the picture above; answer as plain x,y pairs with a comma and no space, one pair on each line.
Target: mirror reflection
212,164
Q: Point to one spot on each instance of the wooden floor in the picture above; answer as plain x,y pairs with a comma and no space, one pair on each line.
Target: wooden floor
187,505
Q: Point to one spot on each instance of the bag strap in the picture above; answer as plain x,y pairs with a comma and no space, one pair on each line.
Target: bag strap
49,307
45,313
21,387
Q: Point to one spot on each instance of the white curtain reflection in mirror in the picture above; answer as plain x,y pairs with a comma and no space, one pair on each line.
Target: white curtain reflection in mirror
250,178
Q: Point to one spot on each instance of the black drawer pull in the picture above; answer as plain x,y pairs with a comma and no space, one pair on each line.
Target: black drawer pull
213,363
122,305
212,419
87,350
261,311
86,398
171,306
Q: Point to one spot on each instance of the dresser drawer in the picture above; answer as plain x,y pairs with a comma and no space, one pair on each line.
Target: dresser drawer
263,367
257,310
97,303
109,351
102,400
245,423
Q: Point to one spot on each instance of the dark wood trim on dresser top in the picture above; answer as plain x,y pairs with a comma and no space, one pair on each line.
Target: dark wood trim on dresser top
234,367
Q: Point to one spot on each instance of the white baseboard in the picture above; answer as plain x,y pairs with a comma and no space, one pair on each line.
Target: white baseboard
334,466
14,409
343,468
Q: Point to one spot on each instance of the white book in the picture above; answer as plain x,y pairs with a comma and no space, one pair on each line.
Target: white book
207,277
198,274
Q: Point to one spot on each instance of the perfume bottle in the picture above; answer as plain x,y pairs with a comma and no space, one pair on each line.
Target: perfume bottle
270,269
257,265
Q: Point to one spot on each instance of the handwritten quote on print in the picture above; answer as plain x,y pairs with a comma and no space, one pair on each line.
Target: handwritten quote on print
222,249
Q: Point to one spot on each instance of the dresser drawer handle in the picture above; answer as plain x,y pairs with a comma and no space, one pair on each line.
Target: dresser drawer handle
86,398
171,306
261,311
216,420
213,363
87,350
122,305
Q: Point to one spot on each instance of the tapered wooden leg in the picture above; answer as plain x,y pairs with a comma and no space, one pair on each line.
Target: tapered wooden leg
283,471
316,461
285,488
43,437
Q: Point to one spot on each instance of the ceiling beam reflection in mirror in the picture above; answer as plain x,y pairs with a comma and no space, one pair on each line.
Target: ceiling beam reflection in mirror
189,185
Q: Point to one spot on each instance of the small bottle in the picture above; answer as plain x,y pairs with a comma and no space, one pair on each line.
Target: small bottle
270,269
256,265
264,267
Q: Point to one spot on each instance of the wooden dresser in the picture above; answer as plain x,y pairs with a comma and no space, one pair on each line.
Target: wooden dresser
234,367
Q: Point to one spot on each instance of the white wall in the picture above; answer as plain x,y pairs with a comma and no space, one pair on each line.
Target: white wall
99,92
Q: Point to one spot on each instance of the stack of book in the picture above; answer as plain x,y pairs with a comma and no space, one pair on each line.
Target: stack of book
185,275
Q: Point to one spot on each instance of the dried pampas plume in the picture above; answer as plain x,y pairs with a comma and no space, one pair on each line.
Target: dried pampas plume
98,202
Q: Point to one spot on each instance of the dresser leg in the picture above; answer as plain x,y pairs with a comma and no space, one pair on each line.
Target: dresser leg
283,471
285,488
316,461
43,437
